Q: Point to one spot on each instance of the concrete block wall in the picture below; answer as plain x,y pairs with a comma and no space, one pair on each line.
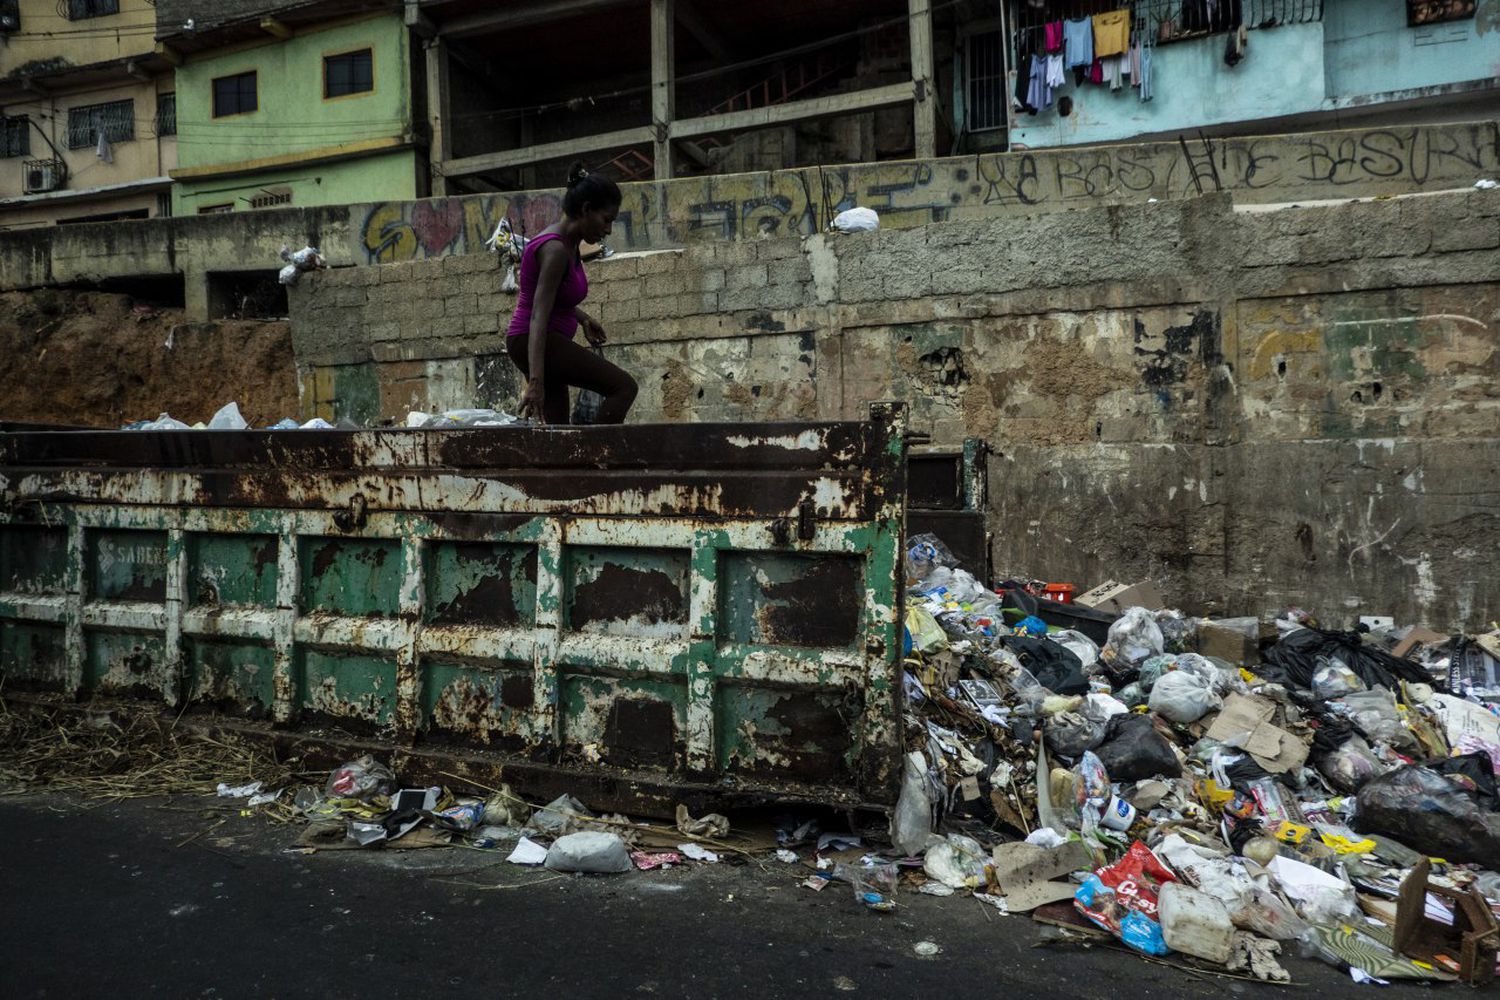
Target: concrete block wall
1254,408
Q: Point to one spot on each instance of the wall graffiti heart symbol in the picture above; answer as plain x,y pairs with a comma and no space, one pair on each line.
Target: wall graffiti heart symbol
437,224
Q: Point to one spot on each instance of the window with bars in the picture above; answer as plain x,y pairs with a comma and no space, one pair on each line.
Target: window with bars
235,95
79,10
984,82
349,73
271,197
166,114
115,120
15,136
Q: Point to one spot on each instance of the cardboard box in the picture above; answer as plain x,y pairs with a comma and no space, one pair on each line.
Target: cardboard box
1418,636
1115,597
1228,644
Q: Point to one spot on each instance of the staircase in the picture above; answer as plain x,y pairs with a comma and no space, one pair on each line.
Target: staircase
779,88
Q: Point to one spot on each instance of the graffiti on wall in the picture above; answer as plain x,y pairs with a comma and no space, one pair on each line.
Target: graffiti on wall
802,201
653,214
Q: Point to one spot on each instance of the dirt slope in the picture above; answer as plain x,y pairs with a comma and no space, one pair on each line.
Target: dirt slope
95,359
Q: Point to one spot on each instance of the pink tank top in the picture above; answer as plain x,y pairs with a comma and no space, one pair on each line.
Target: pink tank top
571,290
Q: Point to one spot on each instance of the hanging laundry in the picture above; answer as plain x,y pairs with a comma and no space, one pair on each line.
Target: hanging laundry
1078,42
1024,46
1055,75
1135,63
1096,71
1039,92
1052,34
1143,78
1234,49
102,150
1112,71
1111,33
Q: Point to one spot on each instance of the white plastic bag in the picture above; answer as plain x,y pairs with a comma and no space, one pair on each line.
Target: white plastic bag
306,259
228,419
1183,696
911,823
1134,637
856,220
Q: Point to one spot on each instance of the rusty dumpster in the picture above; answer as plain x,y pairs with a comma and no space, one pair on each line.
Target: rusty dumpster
641,615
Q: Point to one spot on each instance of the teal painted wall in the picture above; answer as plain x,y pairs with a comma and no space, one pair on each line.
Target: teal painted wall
1281,74
293,117
1370,50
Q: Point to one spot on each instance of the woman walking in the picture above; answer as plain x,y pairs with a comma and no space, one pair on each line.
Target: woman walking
547,317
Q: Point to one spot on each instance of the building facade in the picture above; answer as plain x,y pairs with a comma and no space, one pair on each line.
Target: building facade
1233,67
280,109
89,120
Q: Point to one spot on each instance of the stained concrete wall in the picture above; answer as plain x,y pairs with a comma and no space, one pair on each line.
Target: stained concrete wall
739,207
1253,408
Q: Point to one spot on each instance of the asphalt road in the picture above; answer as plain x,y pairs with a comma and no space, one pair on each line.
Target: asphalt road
109,901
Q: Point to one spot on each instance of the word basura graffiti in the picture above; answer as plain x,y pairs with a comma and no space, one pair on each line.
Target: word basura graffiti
658,214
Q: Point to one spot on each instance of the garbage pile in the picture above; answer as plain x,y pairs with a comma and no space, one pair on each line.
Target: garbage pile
229,418
1218,789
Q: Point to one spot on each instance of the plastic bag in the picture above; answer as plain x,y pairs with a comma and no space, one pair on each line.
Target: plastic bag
925,553
957,862
1350,766
1071,734
1134,637
1294,660
1122,899
1183,696
1375,714
927,636
360,779
1080,645
1055,667
874,887
1334,679
1177,631
304,260
1091,791
1426,811
856,220
911,822
1132,750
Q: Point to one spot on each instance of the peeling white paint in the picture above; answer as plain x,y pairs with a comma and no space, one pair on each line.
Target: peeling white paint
809,440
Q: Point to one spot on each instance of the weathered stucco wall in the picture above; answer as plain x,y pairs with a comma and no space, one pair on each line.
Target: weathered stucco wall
1253,408
735,207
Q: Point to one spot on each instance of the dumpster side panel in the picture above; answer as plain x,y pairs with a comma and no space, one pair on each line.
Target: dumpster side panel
708,606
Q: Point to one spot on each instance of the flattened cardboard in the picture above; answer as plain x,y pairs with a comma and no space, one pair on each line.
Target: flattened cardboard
1418,636
1245,722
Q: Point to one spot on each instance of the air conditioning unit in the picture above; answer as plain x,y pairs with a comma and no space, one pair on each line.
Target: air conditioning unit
43,176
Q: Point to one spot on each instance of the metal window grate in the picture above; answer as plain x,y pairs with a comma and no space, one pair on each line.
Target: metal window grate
78,10
984,71
116,120
15,136
166,114
1171,20
271,197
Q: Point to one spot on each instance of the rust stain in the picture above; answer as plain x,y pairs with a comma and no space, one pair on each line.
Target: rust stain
621,593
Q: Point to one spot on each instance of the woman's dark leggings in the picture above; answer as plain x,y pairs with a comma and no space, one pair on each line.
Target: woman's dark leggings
571,364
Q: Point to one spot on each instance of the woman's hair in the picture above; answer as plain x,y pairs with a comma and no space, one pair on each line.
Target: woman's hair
588,189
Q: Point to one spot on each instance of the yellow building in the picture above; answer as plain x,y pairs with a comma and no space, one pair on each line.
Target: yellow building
88,119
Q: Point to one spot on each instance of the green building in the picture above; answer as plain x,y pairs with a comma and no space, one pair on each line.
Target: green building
286,112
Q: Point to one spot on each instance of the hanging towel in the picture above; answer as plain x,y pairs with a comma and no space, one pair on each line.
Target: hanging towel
102,150
1078,41
1053,34
1111,33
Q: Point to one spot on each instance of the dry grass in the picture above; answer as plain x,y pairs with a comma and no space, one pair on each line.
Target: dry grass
115,755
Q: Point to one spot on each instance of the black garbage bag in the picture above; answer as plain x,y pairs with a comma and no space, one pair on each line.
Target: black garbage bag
1133,750
1428,812
1056,667
1293,660
1243,772
1472,771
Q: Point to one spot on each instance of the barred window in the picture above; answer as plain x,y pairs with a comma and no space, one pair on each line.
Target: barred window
166,114
1170,20
271,197
15,136
984,82
116,120
78,10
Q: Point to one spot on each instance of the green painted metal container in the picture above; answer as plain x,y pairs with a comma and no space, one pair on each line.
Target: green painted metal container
644,615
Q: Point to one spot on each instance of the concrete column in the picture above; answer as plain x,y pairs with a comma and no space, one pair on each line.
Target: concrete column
438,109
924,103
663,82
